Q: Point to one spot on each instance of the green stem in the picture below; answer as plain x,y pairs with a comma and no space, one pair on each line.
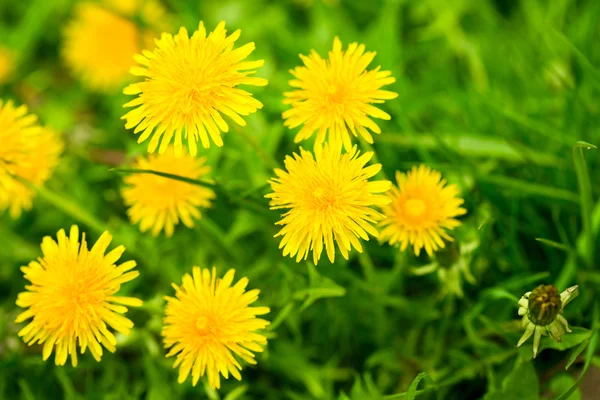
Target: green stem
267,159
375,160
66,205
590,351
367,265
220,189
586,200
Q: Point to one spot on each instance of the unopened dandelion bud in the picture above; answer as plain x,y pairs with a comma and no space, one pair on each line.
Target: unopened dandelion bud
542,311
544,304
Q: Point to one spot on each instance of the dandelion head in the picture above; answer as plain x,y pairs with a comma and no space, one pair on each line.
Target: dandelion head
421,211
99,46
210,325
542,311
7,64
159,203
28,151
544,304
189,84
335,97
330,200
71,297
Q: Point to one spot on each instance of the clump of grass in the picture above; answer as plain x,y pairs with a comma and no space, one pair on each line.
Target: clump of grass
498,96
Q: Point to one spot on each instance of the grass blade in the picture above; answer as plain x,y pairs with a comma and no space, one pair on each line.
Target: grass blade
66,205
577,352
218,188
412,389
586,201
523,188
197,182
554,244
585,62
589,354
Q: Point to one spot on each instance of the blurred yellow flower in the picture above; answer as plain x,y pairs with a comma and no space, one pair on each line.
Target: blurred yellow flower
99,46
7,64
422,208
151,13
71,297
188,84
127,8
334,97
28,151
208,322
329,197
159,203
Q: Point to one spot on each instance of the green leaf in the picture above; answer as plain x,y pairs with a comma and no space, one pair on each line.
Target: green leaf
236,393
522,383
319,287
26,392
467,144
569,340
66,384
283,314
368,391
66,205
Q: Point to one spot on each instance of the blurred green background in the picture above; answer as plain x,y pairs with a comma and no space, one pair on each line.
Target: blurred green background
493,93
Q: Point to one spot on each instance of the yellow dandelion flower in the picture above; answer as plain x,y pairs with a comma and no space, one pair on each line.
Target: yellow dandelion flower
7,64
28,151
72,297
159,203
329,197
99,46
422,208
209,322
335,96
188,84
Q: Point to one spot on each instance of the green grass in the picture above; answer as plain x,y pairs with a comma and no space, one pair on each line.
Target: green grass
495,94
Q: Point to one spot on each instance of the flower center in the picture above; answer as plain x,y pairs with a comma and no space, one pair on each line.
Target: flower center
192,99
335,99
324,199
78,300
206,326
336,94
414,207
544,305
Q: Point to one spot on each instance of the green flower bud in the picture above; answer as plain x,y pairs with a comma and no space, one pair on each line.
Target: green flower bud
544,305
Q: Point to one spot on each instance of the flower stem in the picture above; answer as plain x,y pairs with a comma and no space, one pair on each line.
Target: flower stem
66,205
267,159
